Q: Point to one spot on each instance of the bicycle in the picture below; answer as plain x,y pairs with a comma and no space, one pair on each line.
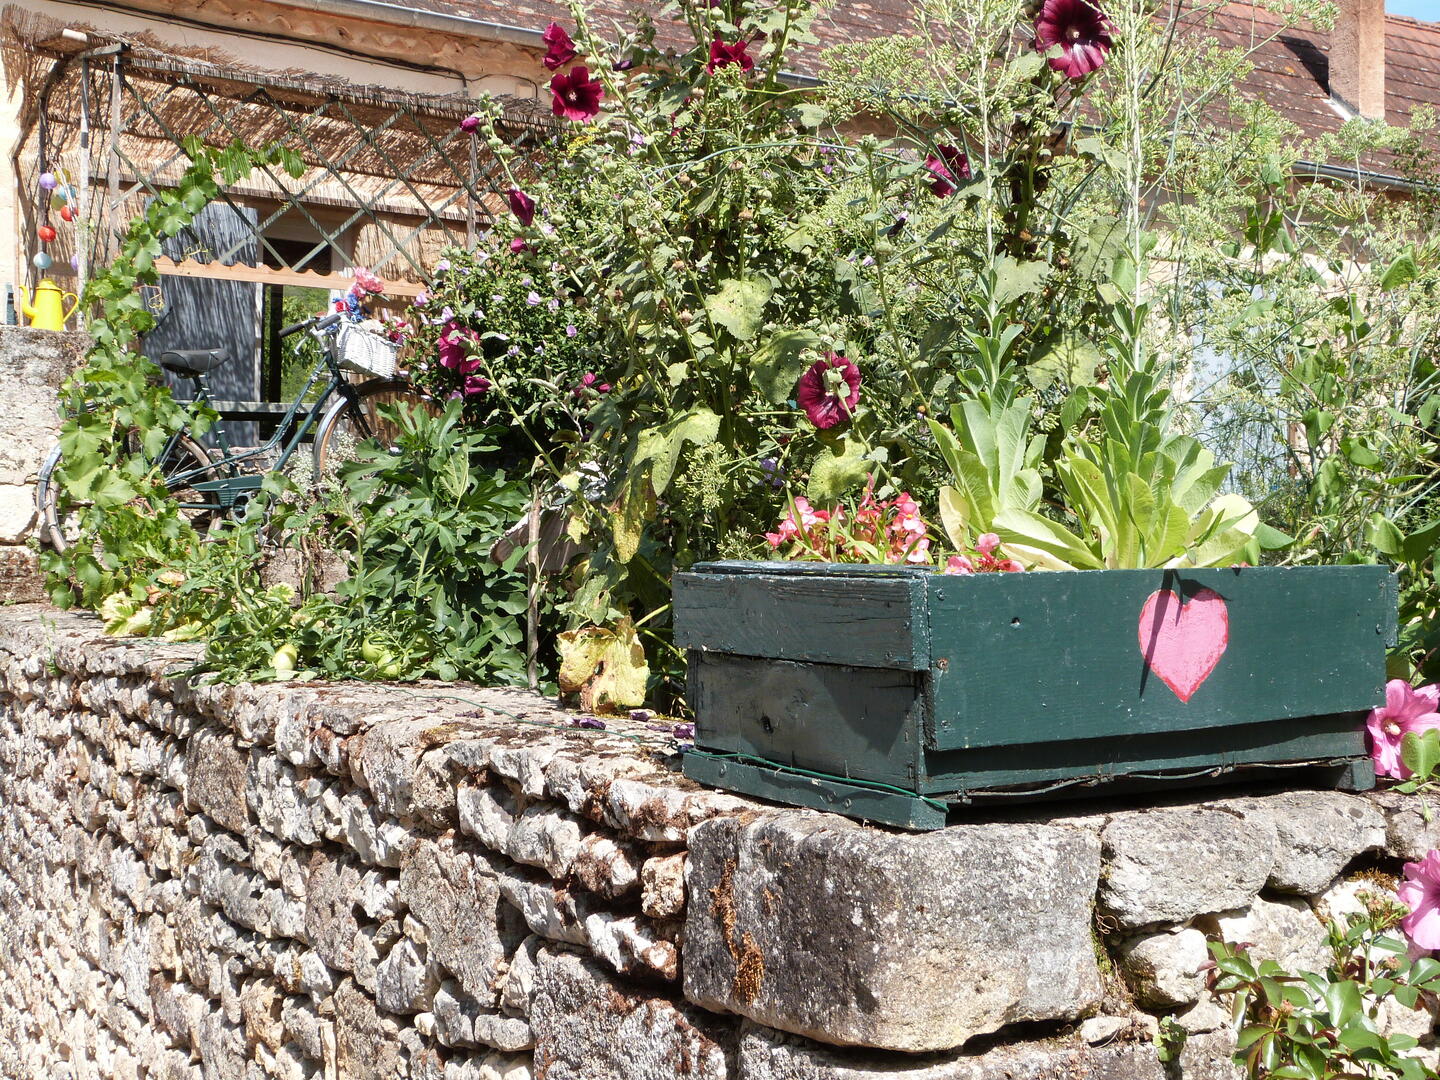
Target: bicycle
208,486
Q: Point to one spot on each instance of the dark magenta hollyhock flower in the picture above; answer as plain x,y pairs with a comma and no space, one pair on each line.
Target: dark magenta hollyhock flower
476,384
829,390
522,206
559,49
454,348
576,95
517,245
722,54
469,124
623,64
948,167
1082,31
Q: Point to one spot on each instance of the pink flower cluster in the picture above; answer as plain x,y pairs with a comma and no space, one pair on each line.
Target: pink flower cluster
366,282
890,531
1406,710
984,561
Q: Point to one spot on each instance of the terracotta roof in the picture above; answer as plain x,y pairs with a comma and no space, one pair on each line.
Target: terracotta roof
1291,67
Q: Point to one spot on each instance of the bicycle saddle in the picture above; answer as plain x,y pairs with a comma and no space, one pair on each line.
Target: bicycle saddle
191,361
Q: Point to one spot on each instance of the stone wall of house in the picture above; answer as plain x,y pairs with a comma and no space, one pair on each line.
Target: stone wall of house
442,882
33,363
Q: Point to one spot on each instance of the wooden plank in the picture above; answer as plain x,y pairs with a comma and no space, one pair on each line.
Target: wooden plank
1048,657
1297,739
266,275
849,721
861,619
853,800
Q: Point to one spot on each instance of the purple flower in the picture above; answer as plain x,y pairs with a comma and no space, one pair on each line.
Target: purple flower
532,298
723,55
952,164
829,391
587,722
476,384
641,716
554,304
622,65
570,330
1080,29
576,96
470,124
1405,710
1420,892
442,266
422,298
683,731
560,50
522,206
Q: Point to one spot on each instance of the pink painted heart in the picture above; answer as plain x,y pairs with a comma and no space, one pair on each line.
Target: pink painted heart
1182,643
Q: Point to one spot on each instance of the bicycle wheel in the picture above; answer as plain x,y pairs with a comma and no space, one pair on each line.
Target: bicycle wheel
185,457
348,423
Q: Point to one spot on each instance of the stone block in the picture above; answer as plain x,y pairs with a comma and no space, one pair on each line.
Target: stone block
847,934
367,1044
1318,834
590,1027
771,1055
454,892
215,771
1169,865
662,886
330,921
547,838
1285,930
1163,969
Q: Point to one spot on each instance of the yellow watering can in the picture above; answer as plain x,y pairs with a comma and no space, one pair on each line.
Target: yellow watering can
48,312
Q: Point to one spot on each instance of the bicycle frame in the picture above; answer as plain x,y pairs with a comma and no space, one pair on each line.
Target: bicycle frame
232,485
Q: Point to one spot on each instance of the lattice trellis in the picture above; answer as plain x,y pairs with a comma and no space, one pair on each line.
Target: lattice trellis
389,178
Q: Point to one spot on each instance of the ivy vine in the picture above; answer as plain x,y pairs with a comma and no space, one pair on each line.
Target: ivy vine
117,411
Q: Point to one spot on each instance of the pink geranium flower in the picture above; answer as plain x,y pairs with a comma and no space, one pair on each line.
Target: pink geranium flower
959,564
522,206
1420,892
371,283
722,55
1405,710
951,164
560,50
987,543
829,391
576,95
1080,29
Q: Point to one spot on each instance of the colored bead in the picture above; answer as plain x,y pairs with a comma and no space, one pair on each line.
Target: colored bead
46,233
42,261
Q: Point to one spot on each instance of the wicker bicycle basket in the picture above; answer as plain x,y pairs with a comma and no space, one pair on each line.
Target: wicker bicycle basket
369,354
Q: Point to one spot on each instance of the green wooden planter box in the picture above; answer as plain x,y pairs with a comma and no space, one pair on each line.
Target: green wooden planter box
895,694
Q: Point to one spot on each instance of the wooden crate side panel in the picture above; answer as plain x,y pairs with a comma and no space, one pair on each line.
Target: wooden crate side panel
861,620
845,721
855,800
1294,740
1037,658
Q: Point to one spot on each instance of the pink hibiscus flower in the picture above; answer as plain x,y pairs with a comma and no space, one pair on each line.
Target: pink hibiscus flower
560,50
576,95
454,345
1405,710
1082,31
829,391
1420,892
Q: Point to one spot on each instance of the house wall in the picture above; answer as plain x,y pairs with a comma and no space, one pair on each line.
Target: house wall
260,36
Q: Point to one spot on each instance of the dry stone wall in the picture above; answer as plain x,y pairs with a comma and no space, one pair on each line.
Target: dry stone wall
34,363
439,882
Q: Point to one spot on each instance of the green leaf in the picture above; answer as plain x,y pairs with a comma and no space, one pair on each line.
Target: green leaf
811,114
1070,357
841,467
1420,751
739,305
660,446
1399,273
1384,536
1015,278
780,362
1343,1002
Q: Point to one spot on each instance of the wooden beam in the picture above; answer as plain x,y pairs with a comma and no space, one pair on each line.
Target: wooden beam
265,275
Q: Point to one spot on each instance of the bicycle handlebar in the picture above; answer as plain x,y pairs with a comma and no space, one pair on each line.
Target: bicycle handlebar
320,322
